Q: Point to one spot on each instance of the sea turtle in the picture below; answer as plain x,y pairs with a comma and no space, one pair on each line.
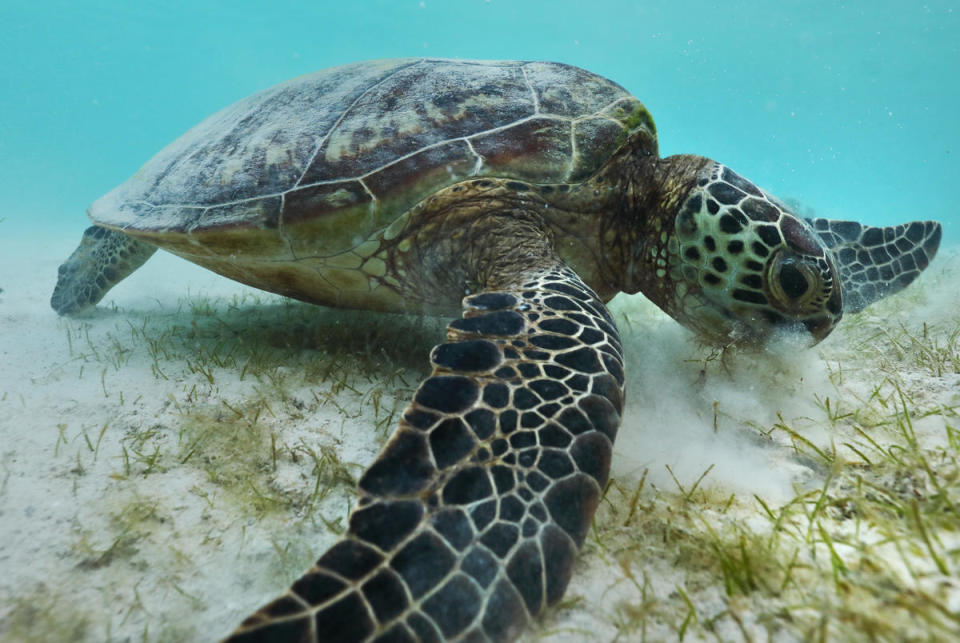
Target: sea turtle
526,195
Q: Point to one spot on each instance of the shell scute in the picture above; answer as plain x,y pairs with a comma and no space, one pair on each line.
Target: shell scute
537,150
562,89
417,107
401,184
595,139
347,208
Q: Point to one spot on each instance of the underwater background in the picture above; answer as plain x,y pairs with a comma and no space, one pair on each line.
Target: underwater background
175,457
850,108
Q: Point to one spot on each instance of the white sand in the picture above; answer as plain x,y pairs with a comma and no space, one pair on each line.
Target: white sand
112,528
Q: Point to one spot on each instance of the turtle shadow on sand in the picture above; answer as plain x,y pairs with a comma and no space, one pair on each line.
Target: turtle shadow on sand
259,336
294,327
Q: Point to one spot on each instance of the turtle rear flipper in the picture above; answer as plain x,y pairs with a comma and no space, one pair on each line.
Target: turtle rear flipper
469,520
877,262
103,259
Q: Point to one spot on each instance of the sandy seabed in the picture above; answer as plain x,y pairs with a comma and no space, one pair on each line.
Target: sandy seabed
172,460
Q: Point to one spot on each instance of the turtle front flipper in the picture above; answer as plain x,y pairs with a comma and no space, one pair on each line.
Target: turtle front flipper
877,262
103,259
469,520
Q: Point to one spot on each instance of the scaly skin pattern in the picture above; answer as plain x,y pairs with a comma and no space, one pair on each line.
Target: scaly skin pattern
469,521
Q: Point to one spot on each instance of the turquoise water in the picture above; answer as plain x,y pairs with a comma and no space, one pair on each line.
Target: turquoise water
850,107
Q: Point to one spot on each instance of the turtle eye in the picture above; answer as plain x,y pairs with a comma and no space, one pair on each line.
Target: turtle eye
793,282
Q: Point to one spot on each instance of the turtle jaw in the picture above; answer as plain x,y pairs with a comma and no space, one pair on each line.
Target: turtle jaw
819,328
722,324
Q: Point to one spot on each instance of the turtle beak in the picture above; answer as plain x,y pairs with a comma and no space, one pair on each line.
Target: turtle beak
820,327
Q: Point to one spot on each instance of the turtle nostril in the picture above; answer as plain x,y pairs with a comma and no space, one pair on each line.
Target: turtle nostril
793,282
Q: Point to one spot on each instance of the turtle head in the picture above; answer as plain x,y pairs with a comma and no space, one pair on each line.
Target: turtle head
736,265
740,267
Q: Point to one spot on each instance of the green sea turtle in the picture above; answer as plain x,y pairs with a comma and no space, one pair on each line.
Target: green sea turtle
526,195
